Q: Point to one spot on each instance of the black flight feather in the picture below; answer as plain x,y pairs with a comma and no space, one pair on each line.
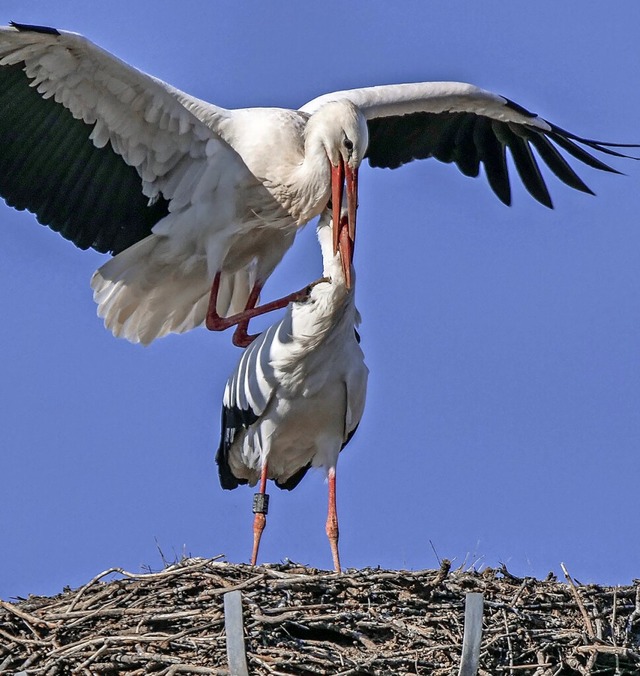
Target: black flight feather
234,420
469,140
50,166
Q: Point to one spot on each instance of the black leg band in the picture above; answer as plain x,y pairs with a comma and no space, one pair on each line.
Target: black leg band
260,503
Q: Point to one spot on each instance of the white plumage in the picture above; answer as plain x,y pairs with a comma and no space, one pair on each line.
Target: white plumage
298,392
186,193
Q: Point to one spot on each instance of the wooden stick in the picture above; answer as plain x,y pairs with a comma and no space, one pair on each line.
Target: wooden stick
473,607
583,610
234,628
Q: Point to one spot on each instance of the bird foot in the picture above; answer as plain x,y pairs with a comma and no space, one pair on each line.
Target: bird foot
322,280
241,337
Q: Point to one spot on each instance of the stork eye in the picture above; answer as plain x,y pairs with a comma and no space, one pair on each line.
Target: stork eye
348,144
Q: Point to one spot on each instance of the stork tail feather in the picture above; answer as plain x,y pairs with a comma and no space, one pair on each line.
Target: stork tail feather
143,295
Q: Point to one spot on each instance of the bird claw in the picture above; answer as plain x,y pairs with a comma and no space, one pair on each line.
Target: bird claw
241,338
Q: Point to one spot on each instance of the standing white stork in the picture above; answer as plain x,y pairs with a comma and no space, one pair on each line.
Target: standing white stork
298,392
199,203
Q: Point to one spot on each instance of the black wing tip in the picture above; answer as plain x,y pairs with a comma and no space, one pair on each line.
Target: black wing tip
547,202
504,199
601,146
502,190
587,190
606,147
34,29
518,108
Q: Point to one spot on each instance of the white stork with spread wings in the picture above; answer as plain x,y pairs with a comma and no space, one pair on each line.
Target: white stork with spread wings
298,392
199,203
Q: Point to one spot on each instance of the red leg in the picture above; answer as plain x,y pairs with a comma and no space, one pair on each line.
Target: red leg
332,521
241,337
214,322
260,509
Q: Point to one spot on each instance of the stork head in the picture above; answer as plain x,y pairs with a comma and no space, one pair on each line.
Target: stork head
345,139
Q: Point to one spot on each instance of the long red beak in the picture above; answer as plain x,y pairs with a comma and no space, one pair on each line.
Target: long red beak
344,237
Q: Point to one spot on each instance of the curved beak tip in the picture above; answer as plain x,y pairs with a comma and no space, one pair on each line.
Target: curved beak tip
345,246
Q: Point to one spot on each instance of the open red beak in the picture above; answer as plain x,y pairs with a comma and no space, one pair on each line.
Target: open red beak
344,228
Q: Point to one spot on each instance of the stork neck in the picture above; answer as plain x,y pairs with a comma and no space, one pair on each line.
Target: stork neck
329,314
312,178
331,264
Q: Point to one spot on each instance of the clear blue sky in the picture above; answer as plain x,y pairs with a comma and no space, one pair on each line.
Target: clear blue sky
502,422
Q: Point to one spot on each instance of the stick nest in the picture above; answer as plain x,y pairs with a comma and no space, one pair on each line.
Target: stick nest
301,621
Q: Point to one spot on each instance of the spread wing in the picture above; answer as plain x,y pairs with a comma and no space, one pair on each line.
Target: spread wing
98,150
460,123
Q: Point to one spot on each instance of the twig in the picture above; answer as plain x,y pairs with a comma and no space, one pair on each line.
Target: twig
583,610
27,617
299,620
613,616
193,669
20,639
509,645
174,570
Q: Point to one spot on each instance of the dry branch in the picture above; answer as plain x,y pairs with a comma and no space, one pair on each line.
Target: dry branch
300,621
